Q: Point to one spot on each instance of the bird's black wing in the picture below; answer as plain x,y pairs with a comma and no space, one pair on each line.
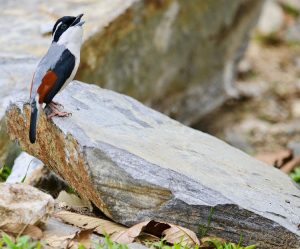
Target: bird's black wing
62,70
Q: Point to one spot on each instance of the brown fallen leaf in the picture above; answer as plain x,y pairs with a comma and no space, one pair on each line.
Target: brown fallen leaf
70,241
84,237
128,236
22,229
277,159
56,241
178,234
100,226
172,233
289,167
124,235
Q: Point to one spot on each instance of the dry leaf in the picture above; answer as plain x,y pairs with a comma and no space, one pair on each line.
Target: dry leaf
71,241
59,241
100,226
178,234
172,233
277,159
22,229
289,166
128,236
121,234
83,237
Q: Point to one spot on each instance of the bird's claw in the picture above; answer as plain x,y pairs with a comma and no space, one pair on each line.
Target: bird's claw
55,111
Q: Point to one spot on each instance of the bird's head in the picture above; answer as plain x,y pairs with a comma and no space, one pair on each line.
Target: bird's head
68,29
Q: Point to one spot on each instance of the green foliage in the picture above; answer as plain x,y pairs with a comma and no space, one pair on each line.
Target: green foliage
107,244
272,39
290,10
162,244
296,175
23,242
203,229
219,245
4,173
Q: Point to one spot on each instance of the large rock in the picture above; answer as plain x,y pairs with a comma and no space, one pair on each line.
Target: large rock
177,56
135,164
169,54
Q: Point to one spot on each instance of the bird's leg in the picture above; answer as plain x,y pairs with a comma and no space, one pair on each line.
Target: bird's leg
54,103
54,107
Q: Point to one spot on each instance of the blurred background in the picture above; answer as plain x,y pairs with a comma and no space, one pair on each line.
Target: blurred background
228,68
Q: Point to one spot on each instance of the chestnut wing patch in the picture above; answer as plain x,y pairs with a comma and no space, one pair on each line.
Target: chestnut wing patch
56,77
47,84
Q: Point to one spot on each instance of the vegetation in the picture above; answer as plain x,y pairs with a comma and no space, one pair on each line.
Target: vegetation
219,245
23,242
296,175
290,10
203,229
107,244
4,173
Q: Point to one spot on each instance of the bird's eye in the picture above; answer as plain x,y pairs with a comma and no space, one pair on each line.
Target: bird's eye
63,26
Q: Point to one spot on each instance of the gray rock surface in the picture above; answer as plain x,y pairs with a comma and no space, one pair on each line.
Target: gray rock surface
24,204
23,43
292,34
177,56
169,54
136,164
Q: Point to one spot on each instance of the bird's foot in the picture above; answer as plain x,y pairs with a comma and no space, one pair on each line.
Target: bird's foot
55,111
55,105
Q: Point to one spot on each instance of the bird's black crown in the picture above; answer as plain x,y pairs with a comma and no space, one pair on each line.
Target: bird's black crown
63,23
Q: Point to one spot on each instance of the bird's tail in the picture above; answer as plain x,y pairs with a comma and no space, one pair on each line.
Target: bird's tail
33,121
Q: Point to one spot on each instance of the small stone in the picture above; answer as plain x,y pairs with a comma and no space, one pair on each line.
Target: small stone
271,19
296,62
24,204
296,108
24,167
292,34
244,67
294,146
251,89
238,140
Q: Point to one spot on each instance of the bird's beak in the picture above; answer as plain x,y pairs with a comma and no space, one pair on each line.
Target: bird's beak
77,21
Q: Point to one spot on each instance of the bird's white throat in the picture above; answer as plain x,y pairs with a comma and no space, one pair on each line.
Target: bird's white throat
72,39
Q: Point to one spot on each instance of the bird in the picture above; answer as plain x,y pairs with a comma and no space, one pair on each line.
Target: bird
56,69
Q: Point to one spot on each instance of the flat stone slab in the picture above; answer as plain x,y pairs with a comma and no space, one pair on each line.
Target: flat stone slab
136,164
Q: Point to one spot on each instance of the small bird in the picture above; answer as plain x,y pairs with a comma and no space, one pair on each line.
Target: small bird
56,69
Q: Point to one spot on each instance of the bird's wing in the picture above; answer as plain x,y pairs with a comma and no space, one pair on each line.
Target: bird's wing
56,77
